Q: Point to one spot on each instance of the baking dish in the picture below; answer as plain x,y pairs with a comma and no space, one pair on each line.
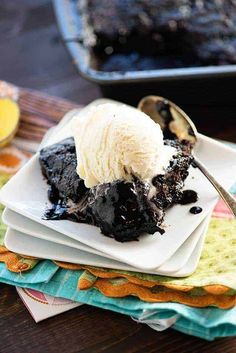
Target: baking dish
211,84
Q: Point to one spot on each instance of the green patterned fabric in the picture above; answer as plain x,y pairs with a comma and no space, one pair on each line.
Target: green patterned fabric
217,264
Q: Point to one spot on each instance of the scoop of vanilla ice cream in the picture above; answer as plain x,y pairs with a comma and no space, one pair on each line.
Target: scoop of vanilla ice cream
117,142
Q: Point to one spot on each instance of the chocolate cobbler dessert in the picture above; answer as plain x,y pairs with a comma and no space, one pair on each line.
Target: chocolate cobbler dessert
122,182
127,35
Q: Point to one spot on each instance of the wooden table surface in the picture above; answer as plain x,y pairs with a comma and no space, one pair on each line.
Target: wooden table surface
33,56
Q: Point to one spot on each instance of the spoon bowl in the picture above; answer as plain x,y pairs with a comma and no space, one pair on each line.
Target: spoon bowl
176,124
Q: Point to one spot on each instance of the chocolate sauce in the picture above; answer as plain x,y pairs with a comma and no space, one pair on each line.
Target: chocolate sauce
195,210
122,210
194,165
188,196
163,108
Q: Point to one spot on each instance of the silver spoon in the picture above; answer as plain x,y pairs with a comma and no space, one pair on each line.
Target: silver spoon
175,122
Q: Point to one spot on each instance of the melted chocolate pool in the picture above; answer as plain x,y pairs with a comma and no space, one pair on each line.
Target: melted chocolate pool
188,196
195,210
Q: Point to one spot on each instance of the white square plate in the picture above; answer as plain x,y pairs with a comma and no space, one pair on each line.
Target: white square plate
25,225
26,193
24,244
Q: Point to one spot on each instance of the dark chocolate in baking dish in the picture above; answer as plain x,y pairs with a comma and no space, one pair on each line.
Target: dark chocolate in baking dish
133,35
186,85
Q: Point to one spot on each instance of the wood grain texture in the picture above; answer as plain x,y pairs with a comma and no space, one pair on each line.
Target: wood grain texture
39,112
32,55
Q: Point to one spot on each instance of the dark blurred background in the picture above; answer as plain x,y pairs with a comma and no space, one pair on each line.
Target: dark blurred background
32,54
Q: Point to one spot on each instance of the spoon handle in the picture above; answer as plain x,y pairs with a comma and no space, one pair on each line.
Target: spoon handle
229,200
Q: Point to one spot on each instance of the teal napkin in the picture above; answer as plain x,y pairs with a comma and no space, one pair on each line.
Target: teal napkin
42,272
206,323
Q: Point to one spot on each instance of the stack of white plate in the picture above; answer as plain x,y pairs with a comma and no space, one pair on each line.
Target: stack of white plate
175,253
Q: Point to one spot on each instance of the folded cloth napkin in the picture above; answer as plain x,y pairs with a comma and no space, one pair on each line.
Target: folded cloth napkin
41,273
207,323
